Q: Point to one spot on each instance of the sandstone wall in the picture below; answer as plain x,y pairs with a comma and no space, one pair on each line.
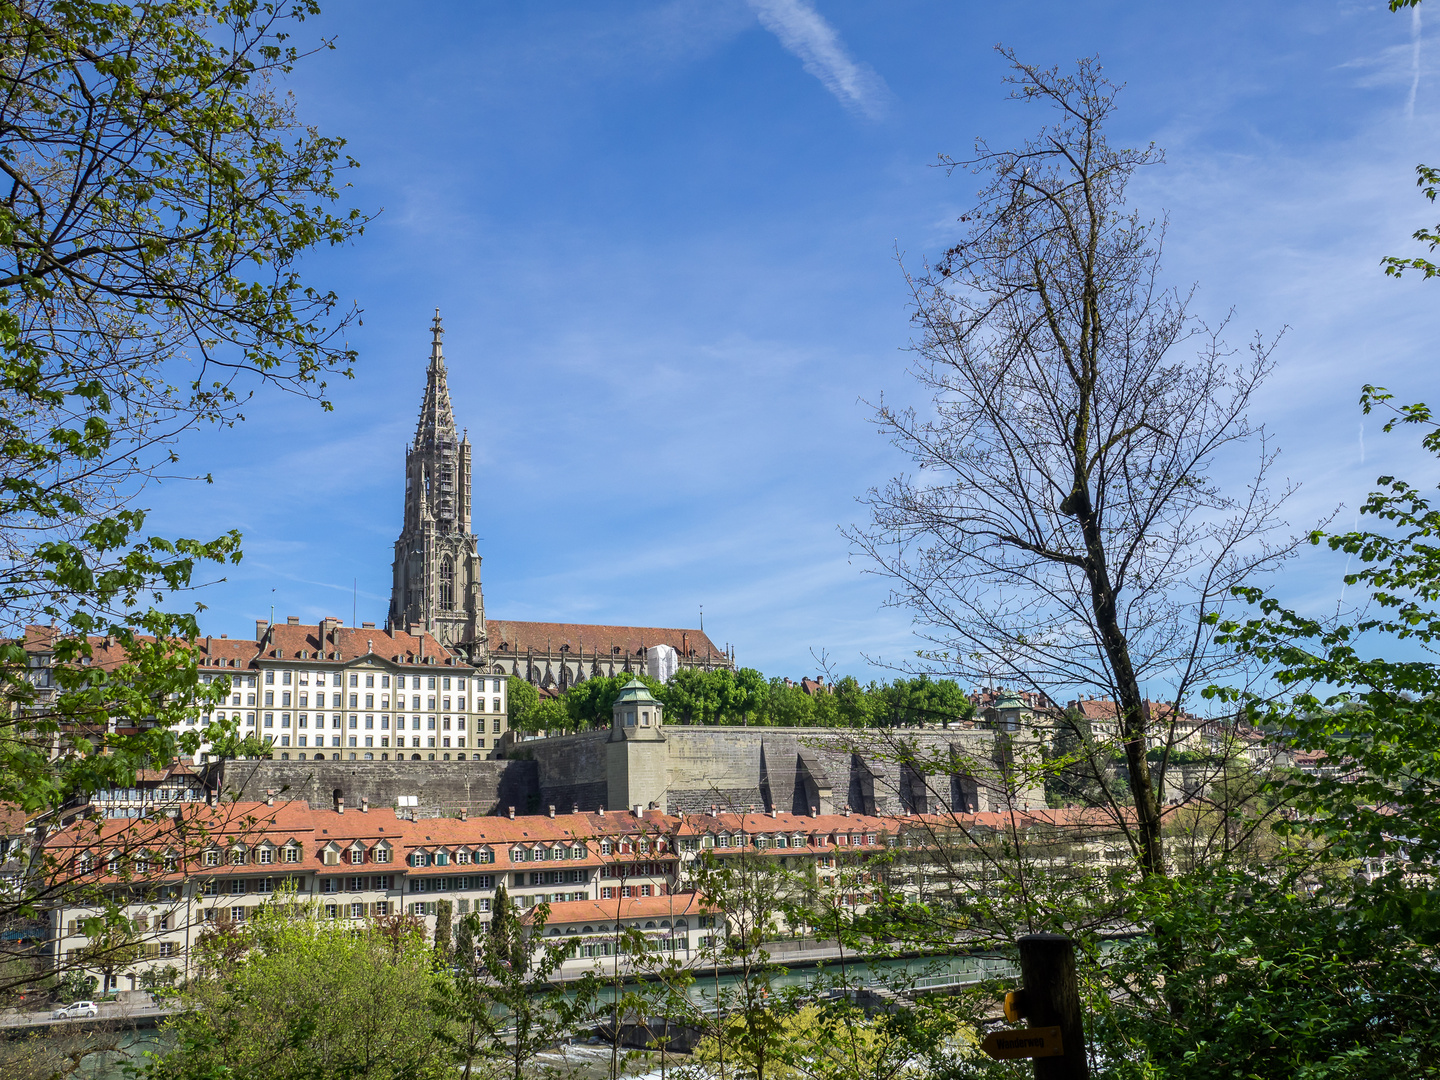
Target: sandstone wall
484,787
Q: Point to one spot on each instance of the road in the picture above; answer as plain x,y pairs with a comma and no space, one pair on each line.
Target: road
124,1014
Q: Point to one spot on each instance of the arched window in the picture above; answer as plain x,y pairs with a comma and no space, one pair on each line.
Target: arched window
447,584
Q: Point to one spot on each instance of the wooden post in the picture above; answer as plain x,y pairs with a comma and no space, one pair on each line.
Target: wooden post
1052,999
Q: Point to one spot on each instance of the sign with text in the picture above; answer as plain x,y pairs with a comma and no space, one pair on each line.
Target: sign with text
1026,1043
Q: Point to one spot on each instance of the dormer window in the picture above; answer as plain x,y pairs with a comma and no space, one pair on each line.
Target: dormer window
462,857
538,854
292,853
237,855
518,854
419,858
381,853
357,856
442,858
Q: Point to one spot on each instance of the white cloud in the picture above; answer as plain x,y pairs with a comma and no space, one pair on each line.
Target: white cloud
804,32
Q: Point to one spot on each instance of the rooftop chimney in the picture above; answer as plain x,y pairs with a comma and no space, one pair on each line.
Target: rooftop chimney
270,798
292,620
364,804
464,813
552,809
339,804
601,811
260,627
575,808
774,812
512,812
638,810
814,812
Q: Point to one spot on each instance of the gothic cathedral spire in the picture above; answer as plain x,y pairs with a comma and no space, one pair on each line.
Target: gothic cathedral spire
437,567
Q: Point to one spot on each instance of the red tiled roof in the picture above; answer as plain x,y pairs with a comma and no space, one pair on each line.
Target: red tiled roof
640,907
520,637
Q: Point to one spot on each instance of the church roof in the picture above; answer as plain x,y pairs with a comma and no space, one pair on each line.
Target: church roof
518,637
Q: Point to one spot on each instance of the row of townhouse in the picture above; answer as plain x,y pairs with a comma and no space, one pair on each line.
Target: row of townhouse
328,691
173,876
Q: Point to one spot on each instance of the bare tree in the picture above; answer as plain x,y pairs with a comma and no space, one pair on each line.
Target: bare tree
1065,531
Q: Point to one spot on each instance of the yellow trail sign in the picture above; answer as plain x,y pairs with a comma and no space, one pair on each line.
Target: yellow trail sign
1026,1043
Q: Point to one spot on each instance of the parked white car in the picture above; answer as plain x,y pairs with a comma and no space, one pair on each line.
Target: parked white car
76,1009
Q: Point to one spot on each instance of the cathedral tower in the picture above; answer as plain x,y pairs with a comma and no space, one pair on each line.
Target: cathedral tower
437,567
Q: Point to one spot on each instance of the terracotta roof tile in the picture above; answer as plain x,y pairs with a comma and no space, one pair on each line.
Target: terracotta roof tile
518,637
640,907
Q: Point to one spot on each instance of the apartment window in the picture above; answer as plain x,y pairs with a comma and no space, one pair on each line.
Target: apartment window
285,719
332,911
430,682
495,724
167,948
304,702
237,914
369,680
354,723
626,891
329,884
607,893
285,678
354,701
357,911
269,678
269,696
430,701
480,704
644,890
369,701
444,705
284,698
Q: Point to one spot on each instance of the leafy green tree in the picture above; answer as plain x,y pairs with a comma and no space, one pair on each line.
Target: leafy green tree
923,700
789,706
522,700
508,988
161,192
746,895
291,994
444,912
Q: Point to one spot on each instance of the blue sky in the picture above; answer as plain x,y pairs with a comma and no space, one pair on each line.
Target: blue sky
663,239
